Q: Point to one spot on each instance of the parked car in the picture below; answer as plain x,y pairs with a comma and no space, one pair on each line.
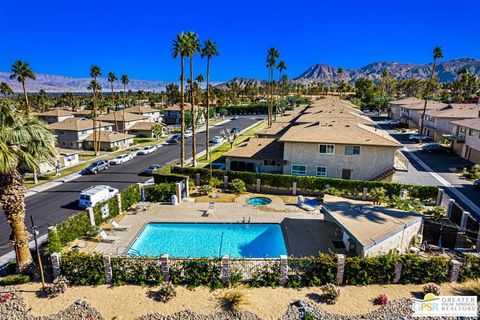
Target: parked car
235,118
121,159
235,130
97,166
173,141
217,139
95,194
435,147
476,184
392,122
151,168
147,150
188,133
416,137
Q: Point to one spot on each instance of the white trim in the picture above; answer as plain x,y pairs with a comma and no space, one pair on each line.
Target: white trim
298,174
316,171
353,148
328,144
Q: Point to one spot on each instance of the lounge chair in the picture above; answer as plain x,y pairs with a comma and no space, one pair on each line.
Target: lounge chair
310,205
118,227
106,237
211,210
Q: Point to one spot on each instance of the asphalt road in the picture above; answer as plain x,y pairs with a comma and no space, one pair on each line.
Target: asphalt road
55,205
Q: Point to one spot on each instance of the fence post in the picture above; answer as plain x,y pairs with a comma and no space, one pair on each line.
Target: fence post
283,269
91,216
198,181
402,194
225,182
225,269
463,222
455,271
165,263
178,191
439,197
119,200
55,258
107,264
294,188
398,272
258,185
365,193
477,244
187,187
451,203
340,268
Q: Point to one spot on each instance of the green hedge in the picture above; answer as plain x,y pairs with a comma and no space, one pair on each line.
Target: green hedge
82,268
311,183
136,271
165,175
161,192
312,271
420,270
364,271
470,268
131,196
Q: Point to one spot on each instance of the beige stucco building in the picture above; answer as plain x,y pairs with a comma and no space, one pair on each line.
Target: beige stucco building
438,123
466,139
55,115
409,110
72,132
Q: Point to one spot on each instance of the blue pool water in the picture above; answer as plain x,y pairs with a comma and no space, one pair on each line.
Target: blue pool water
202,240
259,201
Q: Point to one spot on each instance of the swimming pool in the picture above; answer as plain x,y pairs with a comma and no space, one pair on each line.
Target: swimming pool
259,201
209,240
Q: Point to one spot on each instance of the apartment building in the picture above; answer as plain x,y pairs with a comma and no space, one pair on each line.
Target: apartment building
72,132
122,121
466,139
152,114
409,110
55,115
438,123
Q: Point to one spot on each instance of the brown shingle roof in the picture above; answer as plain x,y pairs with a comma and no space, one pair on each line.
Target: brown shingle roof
176,107
456,110
418,104
76,124
119,117
468,123
407,101
55,113
109,136
144,125
258,148
141,110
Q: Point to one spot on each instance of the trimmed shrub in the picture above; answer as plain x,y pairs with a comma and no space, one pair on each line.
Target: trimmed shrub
330,293
312,271
82,268
432,288
269,276
131,196
57,287
165,292
421,270
161,192
138,271
238,186
470,268
14,279
381,300
165,175
364,271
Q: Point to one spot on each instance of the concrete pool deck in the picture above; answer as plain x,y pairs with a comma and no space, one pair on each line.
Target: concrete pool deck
306,234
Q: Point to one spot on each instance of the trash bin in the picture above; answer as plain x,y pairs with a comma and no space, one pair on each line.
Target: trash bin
174,200
300,200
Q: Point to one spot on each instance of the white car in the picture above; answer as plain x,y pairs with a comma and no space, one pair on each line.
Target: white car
147,150
416,137
121,159
188,133
95,194
217,139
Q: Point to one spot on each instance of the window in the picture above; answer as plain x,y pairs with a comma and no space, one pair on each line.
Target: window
61,132
299,169
326,149
463,129
72,144
321,171
352,150
274,163
470,132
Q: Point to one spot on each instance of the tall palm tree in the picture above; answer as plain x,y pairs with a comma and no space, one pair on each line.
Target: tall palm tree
21,71
209,50
5,89
124,79
95,72
272,56
280,67
180,45
339,72
25,143
112,78
437,54
193,46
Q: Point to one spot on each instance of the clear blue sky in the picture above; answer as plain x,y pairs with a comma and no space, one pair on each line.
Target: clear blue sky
135,37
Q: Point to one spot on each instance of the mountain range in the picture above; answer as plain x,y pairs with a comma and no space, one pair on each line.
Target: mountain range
445,70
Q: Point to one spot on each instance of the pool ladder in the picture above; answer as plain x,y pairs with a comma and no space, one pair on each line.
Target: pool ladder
243,221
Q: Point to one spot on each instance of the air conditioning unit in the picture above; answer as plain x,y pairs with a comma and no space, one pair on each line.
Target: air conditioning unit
417,240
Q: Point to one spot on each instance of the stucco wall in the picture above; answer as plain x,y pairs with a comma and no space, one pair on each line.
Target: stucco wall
258,165
372,160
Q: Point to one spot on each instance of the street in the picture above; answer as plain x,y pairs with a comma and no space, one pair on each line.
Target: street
55,205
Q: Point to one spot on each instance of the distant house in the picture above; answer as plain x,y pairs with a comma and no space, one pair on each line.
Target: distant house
86,113
438,123
56,115
143,129
110,141
71,132
152,114
466,139
65,158
370,230
116,118
256,155
409,110
172,115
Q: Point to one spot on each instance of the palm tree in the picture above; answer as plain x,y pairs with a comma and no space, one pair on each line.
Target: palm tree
280,67
209,50
339,72
437,54
25,143
21,71
180,45
193,46
272,56
124,79
112,78
5,89
95,87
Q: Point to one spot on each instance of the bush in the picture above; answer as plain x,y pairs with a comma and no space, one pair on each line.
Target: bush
58,287
205,189
165,292
238,186
432,288
234,300
312,271
7,296
381,300
14,279
199,272
82,268
365,271
215,182
378,195
161,192
139,271
421,270
405,204
330,293
165,175
131,196
437,212
268,276
471,287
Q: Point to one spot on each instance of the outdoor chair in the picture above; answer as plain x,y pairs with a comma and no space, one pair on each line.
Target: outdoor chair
118,227
211,209
106,237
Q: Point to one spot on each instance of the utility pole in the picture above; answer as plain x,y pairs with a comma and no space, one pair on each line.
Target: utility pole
40,266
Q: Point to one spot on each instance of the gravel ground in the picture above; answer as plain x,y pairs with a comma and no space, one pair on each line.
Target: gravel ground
16,309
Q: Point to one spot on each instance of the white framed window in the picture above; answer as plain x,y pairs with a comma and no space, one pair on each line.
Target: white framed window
321,171
326,149
470,132
352,150
299,169
61,132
